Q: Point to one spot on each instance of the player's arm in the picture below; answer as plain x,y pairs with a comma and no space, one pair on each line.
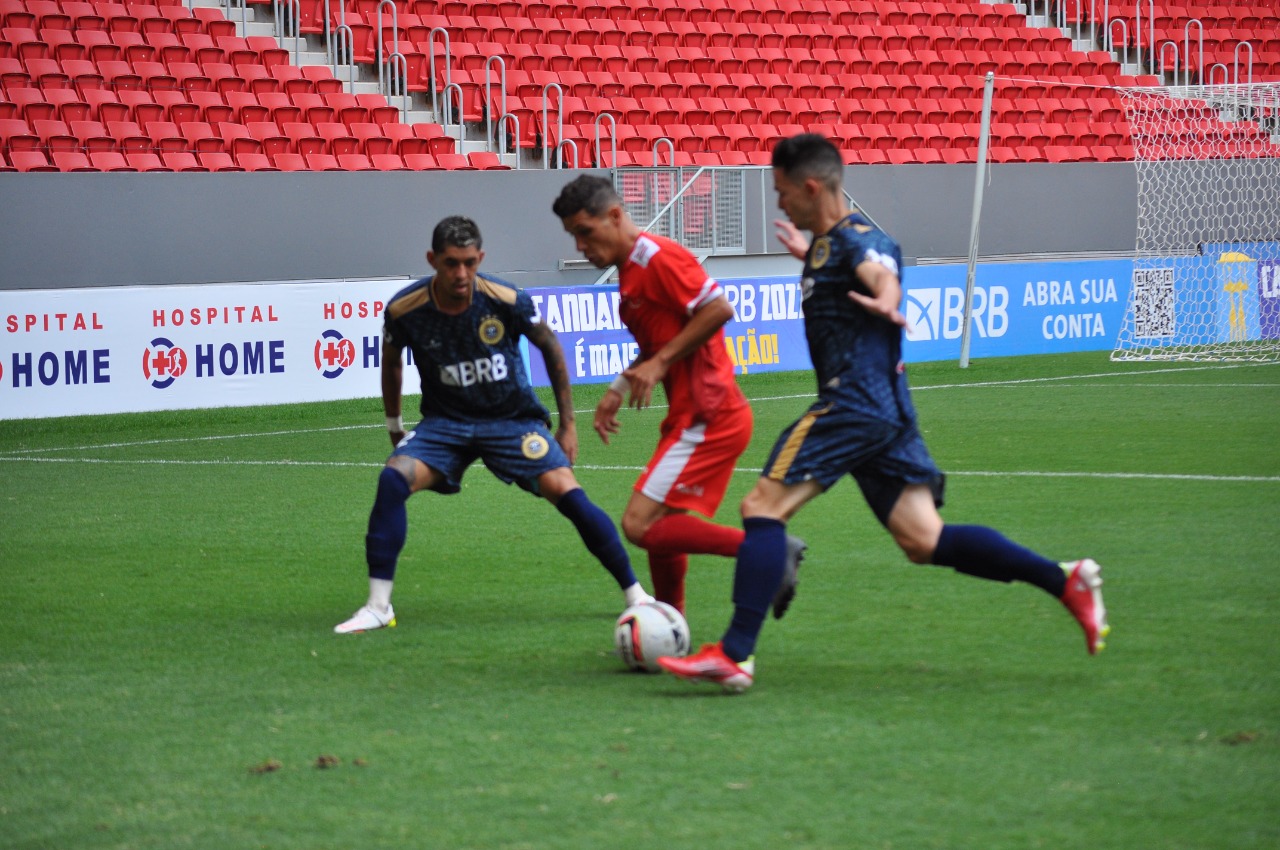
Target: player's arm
796,243
644,375
392,381
558,373
885,288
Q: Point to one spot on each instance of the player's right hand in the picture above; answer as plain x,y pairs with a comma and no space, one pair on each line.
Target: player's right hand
606,418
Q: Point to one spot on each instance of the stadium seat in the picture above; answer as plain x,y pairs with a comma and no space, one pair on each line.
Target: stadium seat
422,162
145,161
252,161
181,161
30,160
201,137
355,162
129,137
218,161
110,161
388,162
165,136
453,162
486,161
71,161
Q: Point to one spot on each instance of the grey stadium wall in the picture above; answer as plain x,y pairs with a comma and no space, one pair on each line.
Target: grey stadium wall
120,229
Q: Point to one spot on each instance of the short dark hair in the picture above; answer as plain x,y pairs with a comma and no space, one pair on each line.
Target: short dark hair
456,230
590,193
809,155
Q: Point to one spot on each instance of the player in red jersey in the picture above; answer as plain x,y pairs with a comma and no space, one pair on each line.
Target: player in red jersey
676,313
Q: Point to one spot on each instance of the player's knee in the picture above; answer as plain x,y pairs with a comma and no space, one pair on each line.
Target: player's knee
918,549
395,474
634,528
754,504
555,483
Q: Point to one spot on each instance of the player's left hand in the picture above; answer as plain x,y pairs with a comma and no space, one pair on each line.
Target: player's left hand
567,437
796,243
643,377
884,306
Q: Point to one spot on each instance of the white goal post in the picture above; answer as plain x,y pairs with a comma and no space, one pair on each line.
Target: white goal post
1206,279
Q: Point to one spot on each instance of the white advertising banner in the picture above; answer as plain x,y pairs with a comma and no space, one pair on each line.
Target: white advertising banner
110,350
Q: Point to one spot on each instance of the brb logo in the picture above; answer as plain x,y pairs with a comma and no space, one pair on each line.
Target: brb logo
163,363
938,313
333,354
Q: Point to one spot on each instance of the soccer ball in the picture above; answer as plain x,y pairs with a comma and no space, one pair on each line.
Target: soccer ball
648,631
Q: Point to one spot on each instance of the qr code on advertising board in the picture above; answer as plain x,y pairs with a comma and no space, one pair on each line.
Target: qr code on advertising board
1153,303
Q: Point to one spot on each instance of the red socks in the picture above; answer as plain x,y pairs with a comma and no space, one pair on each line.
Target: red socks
683,533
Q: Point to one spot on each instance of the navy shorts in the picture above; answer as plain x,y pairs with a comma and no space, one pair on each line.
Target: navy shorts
830,441
515,450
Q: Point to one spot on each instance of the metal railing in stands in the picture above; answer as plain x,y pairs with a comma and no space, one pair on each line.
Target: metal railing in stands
393,70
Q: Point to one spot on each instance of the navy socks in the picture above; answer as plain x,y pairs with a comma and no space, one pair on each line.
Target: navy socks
757,574
388,525
985,553
599,534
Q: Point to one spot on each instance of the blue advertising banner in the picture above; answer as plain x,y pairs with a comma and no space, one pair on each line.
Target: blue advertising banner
1019,308
1269,299
1224,295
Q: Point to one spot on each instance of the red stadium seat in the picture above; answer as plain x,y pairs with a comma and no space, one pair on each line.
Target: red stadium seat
181,161
218,161
110,161
486,161
422,162
388,162
355,162
250,161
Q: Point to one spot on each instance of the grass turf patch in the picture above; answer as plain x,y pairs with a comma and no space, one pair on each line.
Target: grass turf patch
169,679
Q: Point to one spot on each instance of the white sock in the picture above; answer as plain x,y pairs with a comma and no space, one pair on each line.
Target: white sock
380,594
636,594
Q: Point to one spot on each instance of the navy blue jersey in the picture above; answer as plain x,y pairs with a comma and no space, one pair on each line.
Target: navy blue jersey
856,356
470,364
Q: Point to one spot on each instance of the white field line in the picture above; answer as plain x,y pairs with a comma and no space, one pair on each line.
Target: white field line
330,464
20,454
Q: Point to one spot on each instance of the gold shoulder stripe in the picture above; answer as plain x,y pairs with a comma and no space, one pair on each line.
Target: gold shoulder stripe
409,302
495,290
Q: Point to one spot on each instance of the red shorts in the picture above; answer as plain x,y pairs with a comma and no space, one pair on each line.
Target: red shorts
691,468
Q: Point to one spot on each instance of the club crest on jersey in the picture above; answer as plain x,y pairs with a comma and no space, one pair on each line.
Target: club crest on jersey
534,446
821,252
491,330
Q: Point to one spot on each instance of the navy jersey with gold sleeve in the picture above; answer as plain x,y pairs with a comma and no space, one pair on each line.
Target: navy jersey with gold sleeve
857,357
470,364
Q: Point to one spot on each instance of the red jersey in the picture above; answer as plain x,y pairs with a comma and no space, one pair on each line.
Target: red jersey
661,286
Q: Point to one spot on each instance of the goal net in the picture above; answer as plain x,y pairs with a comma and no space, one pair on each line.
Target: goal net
1206,279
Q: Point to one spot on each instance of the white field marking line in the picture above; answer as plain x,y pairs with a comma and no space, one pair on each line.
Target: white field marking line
191,439
1017,382
1148,476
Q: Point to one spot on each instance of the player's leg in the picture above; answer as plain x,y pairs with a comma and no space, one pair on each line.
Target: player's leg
669,536
431,457
388,527
808,457
985,553
690,471
560,487
525,453
758,573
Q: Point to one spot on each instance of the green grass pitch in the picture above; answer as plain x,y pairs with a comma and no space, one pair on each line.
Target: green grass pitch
169,679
